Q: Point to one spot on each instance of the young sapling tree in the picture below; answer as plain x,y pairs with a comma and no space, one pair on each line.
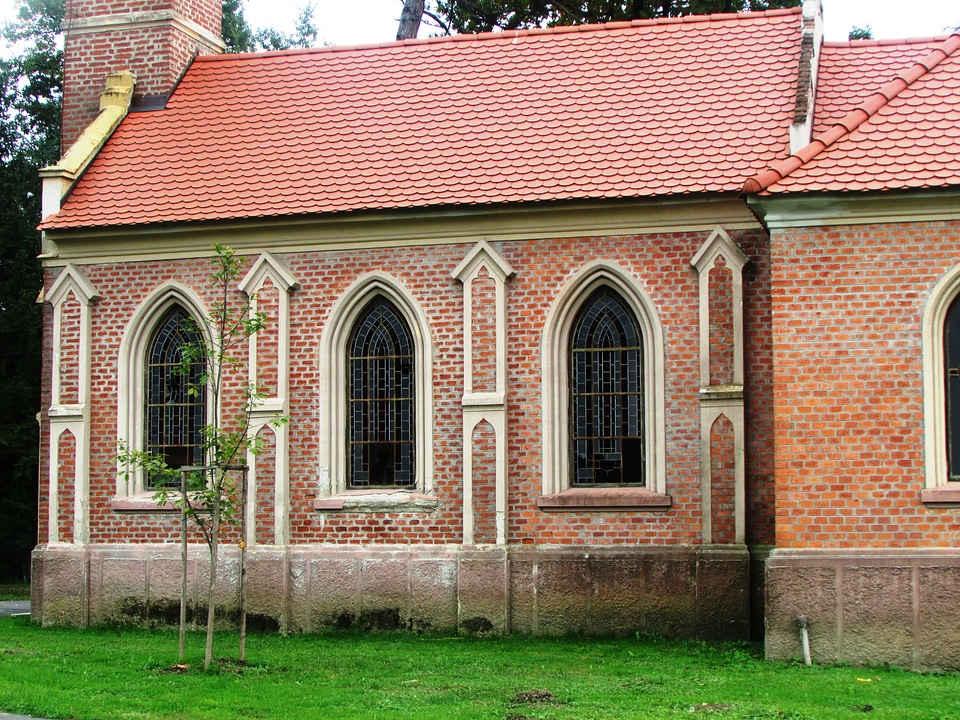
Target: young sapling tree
212,495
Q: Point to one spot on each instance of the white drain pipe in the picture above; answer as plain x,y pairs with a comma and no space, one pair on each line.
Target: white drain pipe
804,638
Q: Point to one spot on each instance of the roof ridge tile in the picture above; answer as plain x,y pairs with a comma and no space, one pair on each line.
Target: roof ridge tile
502,34
885,42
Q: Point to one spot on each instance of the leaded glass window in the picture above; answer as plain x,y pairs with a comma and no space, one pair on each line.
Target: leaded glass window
606,394
381,422
951,374
175,415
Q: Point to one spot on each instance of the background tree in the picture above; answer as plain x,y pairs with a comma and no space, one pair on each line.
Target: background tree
471,16
30,84
860,33
31,81
240,37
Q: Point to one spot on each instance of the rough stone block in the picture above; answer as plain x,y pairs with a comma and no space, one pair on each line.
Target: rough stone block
801,590
722,599
939,641
671,595
266,582
433,594
482,590
64,591
562,593
334,592
523,615
617,603
122,591
384,592
877,615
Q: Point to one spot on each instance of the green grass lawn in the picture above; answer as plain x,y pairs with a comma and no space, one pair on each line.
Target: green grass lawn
101,674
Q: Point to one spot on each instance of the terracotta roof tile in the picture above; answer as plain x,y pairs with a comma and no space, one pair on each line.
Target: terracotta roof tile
649,108
905,135
852,71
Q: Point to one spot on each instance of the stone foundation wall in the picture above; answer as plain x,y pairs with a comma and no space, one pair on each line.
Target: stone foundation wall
692,591
866,607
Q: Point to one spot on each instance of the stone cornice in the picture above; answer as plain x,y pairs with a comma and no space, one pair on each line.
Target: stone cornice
141,20
460,225
818,209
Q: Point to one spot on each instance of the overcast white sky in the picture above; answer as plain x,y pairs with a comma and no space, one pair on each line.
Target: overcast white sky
373,21
354,22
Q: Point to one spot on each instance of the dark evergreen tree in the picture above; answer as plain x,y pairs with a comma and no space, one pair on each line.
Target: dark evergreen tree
30,84
31,81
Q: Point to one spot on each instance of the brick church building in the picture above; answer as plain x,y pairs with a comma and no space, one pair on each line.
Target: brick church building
650,326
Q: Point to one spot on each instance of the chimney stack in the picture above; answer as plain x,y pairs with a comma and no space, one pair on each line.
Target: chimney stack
153,39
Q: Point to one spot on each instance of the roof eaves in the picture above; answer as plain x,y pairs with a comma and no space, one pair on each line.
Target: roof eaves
867,109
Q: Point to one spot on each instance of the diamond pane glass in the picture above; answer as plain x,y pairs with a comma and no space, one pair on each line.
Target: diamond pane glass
381,413
606,394
176,399
951,374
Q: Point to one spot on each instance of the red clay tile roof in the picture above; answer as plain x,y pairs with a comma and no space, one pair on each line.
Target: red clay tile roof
649,108
905,135
852,71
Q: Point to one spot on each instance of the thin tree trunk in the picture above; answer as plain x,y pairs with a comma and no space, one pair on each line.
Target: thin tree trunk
183,565
211,588
243,566
410,19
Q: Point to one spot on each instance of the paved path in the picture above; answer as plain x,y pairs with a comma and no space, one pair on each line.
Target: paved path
9,608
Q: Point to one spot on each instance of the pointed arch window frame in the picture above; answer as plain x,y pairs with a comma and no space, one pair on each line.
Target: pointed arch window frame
938,488
334,492
556,480
131,386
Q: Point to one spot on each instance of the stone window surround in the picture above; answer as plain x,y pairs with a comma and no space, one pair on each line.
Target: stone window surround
132,494
937,489
333,492
558,494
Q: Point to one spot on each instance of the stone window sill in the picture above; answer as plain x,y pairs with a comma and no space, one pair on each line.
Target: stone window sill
947,495
141,503
616,498
377,500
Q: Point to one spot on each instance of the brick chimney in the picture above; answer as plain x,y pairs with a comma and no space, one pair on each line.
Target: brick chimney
153,39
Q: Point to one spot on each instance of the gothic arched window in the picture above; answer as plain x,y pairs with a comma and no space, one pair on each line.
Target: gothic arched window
951,377
380,380
606,394
175,399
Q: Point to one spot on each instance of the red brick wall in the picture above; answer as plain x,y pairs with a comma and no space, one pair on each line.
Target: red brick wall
483,327
268,304
721,324
758,395
156,55
265,489
484,483
847,309
66,488
70,311
723,482
659,262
